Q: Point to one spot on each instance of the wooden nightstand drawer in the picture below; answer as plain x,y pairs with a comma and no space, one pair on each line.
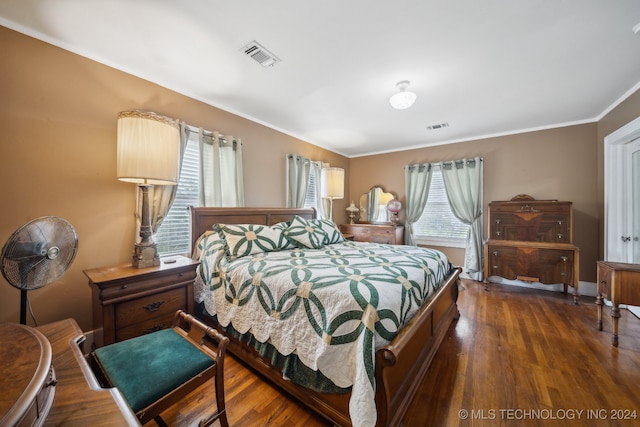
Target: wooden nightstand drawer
122,288
144,315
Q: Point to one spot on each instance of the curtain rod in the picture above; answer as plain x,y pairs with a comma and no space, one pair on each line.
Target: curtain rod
209,134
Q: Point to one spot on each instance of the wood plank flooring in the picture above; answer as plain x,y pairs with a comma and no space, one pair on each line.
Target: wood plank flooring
516,357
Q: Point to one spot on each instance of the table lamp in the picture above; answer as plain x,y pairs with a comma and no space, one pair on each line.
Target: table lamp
352,209
332,186
394,206
148,154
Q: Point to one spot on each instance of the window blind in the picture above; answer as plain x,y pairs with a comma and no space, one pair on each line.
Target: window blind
437,221
173,237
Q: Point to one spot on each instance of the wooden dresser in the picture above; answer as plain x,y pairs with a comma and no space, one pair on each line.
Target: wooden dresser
47,381
378,233
128,301
28,380
532,240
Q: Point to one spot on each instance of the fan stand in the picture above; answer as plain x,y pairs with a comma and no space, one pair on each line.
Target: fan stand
23,306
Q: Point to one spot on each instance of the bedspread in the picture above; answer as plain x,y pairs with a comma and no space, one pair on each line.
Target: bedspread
333,307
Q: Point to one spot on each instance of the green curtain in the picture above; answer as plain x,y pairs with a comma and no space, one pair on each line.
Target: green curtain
298,168
463,185
161,197
221,182
417,182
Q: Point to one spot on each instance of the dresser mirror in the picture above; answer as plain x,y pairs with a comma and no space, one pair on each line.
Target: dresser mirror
373,206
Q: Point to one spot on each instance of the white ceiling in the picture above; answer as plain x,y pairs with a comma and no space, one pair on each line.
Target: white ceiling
486,67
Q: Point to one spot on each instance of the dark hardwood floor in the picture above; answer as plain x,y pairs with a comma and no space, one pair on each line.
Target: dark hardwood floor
516,357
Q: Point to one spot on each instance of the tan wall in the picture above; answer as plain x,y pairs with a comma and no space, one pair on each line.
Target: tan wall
550,164
57,157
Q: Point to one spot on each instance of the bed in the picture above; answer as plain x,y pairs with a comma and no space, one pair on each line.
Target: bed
393,345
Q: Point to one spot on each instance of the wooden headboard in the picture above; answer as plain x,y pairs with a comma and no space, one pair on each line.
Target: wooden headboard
202,219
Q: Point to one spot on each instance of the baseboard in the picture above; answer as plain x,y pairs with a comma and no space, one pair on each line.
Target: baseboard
584,288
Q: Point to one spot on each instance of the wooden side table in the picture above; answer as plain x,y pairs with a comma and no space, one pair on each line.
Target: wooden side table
620,283
128,301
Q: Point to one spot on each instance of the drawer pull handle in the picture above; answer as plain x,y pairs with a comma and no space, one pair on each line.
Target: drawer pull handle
497,221
154,328
559,236
495,253
495,267
563,274
564,258
180,274
124,287
497,233
153,306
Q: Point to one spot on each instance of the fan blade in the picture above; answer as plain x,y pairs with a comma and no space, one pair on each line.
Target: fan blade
21,250
39,252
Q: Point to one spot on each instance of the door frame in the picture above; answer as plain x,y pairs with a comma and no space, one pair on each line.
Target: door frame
615,190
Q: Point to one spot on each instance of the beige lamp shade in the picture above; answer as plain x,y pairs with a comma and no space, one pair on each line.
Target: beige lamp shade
332,183
148,148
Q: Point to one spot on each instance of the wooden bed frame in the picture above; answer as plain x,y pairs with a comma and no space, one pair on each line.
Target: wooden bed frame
400,366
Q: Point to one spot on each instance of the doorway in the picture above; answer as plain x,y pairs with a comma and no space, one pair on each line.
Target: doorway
622,196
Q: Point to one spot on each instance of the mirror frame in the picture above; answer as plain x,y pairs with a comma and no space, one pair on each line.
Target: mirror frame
364,198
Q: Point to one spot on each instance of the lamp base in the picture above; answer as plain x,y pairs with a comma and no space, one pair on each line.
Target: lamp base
145,255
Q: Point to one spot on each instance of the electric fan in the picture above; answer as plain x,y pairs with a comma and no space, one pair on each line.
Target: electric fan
37,254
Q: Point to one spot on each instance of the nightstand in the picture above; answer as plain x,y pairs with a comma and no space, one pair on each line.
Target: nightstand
128,301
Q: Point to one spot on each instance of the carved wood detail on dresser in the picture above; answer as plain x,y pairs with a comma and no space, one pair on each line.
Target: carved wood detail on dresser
532,240
378,233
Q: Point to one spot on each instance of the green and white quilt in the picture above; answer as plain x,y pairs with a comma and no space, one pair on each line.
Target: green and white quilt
332,305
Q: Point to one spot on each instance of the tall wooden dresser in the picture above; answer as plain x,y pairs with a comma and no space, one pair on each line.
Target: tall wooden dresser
532,240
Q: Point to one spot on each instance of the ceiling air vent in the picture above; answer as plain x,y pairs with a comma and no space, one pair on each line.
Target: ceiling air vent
261,55
438,126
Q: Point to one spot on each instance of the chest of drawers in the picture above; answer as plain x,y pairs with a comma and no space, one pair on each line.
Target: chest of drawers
377,233
128,301
531,240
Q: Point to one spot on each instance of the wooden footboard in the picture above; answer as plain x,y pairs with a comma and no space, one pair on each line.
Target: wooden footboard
400,366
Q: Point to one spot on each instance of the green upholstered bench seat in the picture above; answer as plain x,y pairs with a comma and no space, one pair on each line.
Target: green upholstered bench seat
148,367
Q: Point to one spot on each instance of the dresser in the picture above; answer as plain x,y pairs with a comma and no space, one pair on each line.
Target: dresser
46,380
129,301
532,240
620,283
28,380
378,233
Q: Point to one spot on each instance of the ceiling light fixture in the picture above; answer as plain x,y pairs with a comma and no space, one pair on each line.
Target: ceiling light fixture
404,98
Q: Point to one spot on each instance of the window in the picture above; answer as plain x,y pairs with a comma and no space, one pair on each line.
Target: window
311,198
173,237
438,226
